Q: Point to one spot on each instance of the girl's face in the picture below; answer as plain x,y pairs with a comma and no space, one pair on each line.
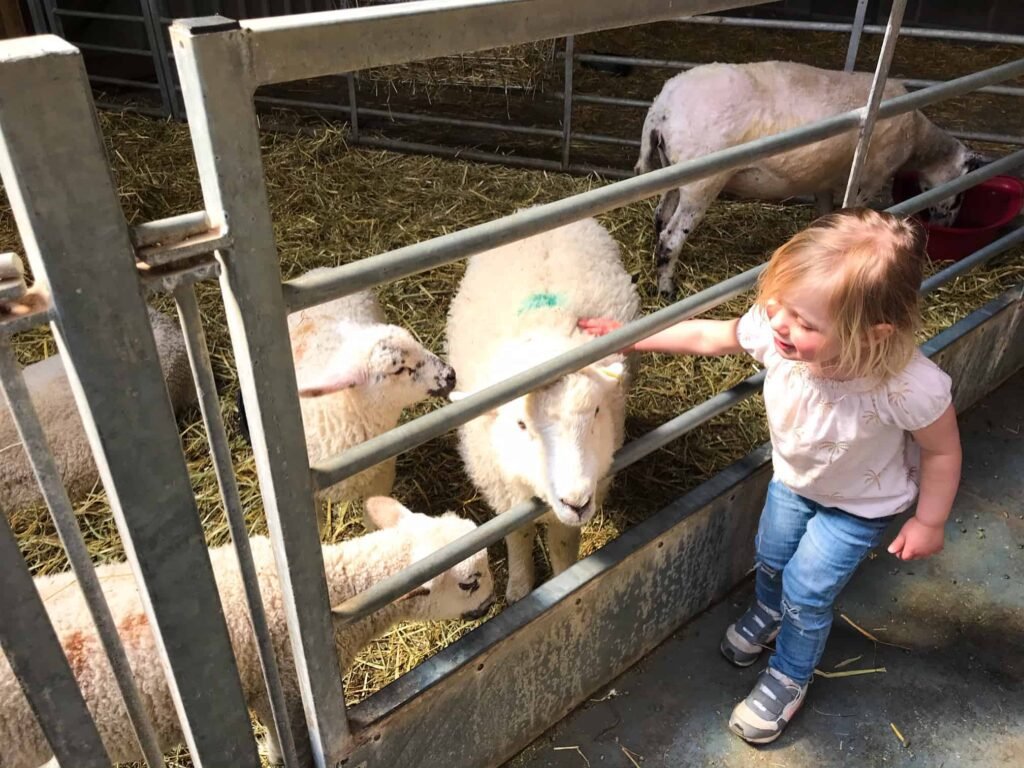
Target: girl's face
802,328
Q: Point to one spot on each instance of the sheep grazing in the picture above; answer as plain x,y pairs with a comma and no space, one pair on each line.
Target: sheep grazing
463,591
48,386
355,375
715,106
517,306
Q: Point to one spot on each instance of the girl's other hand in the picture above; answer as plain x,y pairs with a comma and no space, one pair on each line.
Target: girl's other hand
916,540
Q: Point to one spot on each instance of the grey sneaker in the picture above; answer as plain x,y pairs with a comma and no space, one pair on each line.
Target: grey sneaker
746,638
764,714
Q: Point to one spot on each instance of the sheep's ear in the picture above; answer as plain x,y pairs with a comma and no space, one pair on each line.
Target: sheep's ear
334,379
385,512
976,160
610,371
418,592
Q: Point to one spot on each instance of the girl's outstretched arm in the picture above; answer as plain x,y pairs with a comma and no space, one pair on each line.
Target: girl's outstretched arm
689,337
922,535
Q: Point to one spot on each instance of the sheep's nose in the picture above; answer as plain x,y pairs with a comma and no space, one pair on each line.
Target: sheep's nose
579,509
446,382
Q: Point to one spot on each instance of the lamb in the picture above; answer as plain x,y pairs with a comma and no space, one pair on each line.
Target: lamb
48,386
463,591
517,306
356,374
715,106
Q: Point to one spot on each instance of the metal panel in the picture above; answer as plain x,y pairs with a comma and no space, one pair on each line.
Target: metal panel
306,291
343,41
486,696
218,100
34,653
30,430
79,247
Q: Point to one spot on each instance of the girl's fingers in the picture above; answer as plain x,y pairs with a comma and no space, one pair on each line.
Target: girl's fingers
897,544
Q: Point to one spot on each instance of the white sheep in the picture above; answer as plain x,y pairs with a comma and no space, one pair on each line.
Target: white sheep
463,591
715,106
517,306
355,375
48,386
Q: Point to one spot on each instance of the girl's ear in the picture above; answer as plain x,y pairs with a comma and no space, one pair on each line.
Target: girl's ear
881,332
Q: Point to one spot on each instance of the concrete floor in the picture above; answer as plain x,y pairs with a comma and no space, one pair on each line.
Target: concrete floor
957,696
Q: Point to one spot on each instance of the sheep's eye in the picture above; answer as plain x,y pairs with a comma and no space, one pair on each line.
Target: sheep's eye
404,369
470,586
522,424
597,410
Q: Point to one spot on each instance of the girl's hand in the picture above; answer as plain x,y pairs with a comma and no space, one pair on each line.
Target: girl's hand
599,326
916,540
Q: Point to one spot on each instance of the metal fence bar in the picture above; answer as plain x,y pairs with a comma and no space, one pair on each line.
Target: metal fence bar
158,45
50,150
910,82
45,469
37,659
345,41
74,13
100,48
306,291
170,230
209,404
436,423
570,46
396,585
56,24
218,91
867,126
104,80
855,34
871,29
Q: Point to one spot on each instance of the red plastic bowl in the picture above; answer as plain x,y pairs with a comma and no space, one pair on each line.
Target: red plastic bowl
986,208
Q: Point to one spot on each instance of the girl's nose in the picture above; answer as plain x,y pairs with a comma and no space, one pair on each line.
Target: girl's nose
778,322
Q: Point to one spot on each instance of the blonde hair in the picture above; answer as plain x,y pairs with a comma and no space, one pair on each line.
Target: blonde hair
872,263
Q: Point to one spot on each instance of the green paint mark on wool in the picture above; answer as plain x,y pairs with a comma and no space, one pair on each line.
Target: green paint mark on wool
541,301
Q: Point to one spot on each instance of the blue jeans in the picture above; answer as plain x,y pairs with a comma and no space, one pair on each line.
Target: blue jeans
805,555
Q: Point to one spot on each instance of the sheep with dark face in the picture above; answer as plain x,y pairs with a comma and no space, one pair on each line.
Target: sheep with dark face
716,106
356,374
517,306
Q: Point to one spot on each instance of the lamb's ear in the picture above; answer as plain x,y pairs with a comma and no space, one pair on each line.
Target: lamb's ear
976,160
338,375
610,370
385,512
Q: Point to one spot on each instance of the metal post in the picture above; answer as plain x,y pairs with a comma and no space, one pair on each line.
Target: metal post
892,33
38,15
213,65
45,469
56,24
161,61
570,46
209,404
79,248
34,653
855,34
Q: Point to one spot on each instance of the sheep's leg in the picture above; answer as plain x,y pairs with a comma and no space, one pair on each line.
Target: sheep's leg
664,210
520,562
563,546
694,200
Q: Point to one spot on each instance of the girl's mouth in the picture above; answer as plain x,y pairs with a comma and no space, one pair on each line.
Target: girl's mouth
782,346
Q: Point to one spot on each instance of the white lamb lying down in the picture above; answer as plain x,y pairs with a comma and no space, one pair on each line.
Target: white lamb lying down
715,106
517,306
48,386
464,591
356,374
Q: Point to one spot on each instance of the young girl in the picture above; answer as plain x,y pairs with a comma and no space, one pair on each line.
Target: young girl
861,424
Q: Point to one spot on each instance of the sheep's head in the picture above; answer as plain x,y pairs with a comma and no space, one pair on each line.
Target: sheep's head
384,358
559,440
959,161
464,591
